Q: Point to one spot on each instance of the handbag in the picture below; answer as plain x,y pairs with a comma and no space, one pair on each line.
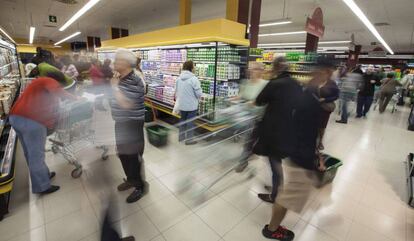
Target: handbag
329,107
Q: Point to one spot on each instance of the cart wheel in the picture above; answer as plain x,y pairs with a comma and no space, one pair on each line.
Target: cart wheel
105,157
76,173
55,149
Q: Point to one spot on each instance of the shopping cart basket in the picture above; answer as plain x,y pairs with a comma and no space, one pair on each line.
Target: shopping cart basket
393,101
217,150
74,132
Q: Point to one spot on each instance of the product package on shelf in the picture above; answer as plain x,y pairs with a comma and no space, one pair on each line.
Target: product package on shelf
153,76
228,54
204,70
206,104
228,71
301,67
150,65
302,77
202,55
175,55
171,68
168,95
169,80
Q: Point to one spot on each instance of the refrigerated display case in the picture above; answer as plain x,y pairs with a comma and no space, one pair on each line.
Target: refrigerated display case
220,54
9,89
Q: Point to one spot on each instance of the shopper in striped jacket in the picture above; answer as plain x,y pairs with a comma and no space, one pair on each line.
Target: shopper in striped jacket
128,111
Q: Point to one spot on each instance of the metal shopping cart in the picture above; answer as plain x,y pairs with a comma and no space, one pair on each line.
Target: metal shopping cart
393,101
218,150
74,132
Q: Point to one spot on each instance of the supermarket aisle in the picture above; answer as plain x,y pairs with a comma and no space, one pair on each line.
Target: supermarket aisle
365,202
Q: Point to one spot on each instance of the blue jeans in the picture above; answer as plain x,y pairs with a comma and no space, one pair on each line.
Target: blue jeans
187,129
345,99
277,174
32,136
363,105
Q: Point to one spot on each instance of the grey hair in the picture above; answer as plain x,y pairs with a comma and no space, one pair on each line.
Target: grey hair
127,55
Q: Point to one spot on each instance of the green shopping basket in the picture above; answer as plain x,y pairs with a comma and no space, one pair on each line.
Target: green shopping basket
157,135
332,164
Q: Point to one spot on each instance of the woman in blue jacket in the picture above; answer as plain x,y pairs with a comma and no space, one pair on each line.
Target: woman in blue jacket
188,92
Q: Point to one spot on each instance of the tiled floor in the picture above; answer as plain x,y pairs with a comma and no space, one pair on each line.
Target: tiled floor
366,201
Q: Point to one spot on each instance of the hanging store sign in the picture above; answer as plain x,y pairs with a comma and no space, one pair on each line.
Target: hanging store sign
377,52
315,25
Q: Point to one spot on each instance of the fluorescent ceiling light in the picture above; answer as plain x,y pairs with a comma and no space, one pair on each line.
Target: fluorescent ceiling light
280,34
67,38
31,34
335,42
335,47
303,43
287,46
357,11
7,35
275,23
281,44
78,14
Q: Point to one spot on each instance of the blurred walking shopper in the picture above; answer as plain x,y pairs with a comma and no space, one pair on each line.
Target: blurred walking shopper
298,174
276,129
128,111
367,91
138,71
69,68
34,114
387,90
328,93
98,82
348,85
249,90
188,92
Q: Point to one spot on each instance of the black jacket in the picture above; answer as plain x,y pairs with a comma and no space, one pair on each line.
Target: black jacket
368,88
276,131
306,125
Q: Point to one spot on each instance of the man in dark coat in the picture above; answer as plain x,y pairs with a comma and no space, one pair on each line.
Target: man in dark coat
289,129
276,129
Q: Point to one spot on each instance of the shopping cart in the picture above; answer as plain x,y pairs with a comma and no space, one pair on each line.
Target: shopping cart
217,150
393,101
74,132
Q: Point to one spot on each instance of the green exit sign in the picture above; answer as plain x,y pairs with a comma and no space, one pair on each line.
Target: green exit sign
52,19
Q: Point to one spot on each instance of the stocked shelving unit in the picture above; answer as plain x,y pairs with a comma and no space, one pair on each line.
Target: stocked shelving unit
301,65
220,54
9,89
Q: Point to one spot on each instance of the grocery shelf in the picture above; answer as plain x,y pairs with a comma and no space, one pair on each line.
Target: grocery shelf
302,62
202,123
300,72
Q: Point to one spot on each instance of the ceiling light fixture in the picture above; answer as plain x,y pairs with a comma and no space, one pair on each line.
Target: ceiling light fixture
358,12
31,34
282,22
78,14
7,35
336,42
303,43
67,38
280,34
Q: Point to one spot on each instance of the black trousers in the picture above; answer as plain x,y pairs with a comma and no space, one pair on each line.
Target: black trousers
108,231
130,144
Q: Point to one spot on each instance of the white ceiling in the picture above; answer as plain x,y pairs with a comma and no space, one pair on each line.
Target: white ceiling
16,16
